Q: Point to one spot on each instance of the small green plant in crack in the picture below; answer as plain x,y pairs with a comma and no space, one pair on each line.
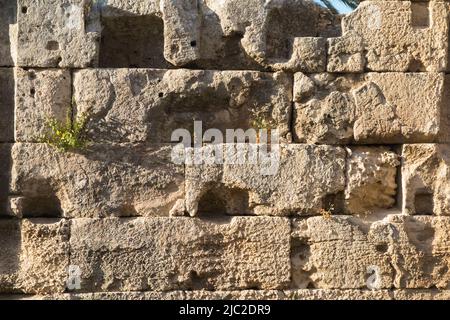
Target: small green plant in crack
262,122
69,135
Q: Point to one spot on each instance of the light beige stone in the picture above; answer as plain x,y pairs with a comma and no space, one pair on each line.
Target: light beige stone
55,33
371,174
34,256
294,179
370,108
181,253
345,54
350,253
400,35
39,96
105,180
426,179
140,105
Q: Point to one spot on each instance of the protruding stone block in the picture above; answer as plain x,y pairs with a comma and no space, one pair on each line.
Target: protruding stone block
372,108
41,95
105,180
55,33
147,105
139,254
294,179
426,179
345,54
349,253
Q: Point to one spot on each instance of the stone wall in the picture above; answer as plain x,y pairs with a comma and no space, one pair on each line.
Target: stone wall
358,208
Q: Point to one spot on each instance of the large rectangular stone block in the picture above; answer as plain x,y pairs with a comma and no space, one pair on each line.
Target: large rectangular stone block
8,32
6,105
148,105
55,33
392,36
373,108
426,179
34,256
104,180
39,96
344,252
287,180
165,254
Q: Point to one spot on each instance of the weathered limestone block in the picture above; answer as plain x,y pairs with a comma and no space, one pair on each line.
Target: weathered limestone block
40,95
105,180
8,32
369,108
426,179
396,36
34,256
181,253
6,105
345,54
290,179
55,33
371,179
149,105
346,252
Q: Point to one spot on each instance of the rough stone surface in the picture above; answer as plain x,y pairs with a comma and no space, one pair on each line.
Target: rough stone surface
39,96
148,105
396,36
404,251
6,105
315,175
369,108
426,179
55,33
106,180
34,256
5,167
370,179
139,254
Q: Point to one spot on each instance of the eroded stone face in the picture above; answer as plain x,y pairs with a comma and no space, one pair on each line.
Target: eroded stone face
8,32
426,179
39,96
138,254
148,105
370,179
5,168
34,256
55,33
395,36
296,179
106,180
369,108
344,252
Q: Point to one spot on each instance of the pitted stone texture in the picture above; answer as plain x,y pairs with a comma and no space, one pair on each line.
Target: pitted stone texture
291,179
6,105
34,256
344,252
371,179
369,108
138,254
398,36
426,179
106,180
40,95
149,105
8,32
55,33
345,54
